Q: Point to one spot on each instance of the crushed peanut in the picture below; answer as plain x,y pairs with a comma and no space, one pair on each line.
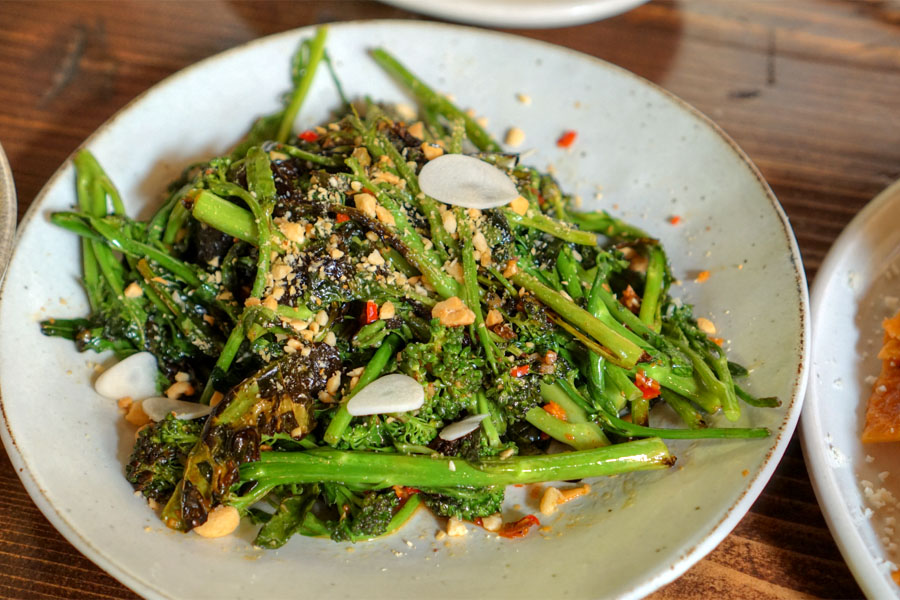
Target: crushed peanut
366,203
456,528
514,137
134,290
493,318
519,205
706,326
431,152
386,311
221,521
453,312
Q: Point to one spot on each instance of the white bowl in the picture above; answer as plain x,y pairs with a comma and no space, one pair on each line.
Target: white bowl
532,14
653,155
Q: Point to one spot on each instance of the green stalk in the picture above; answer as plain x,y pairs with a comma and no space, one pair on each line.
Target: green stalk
653,288
568,273
581,436
429,98
316,50
385,470
225,216
471,289
683,408
626,429
488,426
378,362
542,222
623,352
601,222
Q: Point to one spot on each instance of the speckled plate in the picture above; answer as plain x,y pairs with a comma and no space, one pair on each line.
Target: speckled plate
651,154
7,210
857,286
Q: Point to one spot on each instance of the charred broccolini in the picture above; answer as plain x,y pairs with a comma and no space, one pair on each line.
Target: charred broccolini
284,278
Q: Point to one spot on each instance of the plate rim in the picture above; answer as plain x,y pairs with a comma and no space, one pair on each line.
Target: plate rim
733,514
8,211
845,533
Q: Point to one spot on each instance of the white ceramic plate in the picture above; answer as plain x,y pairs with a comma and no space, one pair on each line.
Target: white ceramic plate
7,210
848,305
537,14
653,155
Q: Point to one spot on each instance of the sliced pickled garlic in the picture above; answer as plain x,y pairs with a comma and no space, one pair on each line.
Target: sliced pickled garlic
466,181
454,431
157,407
134,377
389,394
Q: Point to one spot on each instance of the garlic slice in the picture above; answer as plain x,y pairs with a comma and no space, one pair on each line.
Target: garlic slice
454,431
466,181
389,394
133,377
157,407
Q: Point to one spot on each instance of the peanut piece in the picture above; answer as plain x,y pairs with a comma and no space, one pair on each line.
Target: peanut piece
221,521
452,312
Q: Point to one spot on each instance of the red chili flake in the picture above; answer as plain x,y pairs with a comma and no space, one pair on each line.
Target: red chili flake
518,528
556,410
403,492
309,136
674,220
342,218
520,370
371,314
717,341
649,387
566,139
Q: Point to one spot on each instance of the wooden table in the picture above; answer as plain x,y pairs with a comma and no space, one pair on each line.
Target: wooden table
809,88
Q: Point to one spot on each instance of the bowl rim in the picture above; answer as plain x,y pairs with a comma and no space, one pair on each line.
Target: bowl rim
716,534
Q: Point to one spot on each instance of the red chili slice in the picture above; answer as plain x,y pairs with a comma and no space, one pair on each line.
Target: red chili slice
518,528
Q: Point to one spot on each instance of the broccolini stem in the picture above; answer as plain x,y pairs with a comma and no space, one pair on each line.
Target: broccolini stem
542,222
581,436
471,289
225,216
429,98
769,402
624,428
488,426
379,361
317,159
261,184
623,351
683,408
653,288
565,264
385,470
316,50
602,222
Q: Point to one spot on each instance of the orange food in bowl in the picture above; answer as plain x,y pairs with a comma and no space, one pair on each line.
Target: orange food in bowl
883,411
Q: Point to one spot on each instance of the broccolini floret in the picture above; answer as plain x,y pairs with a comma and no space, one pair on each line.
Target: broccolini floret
157,461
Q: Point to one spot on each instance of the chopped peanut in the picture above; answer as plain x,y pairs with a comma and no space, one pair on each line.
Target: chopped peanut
384,215
417,130
514,137
493,318
375,258
511,268
453,312
179,389
362,156
456,528
366,203
134,290
431,152
706,326
124,403
333,384
292,231
519,205
221,521
136,415
449,221
386,311
492,522
550,500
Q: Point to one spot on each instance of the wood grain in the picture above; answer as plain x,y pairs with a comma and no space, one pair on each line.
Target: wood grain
810,89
